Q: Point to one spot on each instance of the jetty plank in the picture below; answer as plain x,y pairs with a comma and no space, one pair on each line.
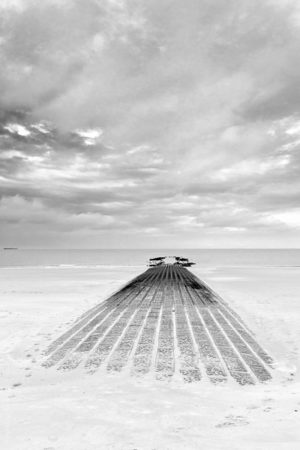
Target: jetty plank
165,364
120,355
144,351
105,346
189,364
208,355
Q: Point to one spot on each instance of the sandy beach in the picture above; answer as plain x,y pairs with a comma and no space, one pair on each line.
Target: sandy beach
49,409
160,137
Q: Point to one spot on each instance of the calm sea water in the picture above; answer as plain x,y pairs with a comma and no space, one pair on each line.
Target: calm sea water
94,258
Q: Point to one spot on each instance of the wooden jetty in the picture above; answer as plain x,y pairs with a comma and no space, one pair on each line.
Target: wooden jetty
164,322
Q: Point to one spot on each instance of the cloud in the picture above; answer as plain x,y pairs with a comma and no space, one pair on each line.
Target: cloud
15,128
290,218
157,122
90,136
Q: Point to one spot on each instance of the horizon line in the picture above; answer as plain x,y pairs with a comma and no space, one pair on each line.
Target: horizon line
152,249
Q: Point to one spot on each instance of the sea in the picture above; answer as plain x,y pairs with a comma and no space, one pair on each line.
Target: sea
207,258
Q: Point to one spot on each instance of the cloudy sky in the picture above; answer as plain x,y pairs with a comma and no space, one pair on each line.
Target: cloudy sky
149,123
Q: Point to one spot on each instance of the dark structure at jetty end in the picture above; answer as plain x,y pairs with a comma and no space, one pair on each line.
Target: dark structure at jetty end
164,323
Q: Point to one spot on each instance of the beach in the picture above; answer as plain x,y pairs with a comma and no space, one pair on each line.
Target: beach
50,409
149,225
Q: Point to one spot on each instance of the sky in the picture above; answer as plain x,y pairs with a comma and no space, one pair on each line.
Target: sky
150,123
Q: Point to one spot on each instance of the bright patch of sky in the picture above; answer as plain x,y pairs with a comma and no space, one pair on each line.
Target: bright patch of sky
90,136
15,128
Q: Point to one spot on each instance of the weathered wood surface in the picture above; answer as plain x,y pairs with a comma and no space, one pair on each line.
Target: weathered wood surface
165,321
